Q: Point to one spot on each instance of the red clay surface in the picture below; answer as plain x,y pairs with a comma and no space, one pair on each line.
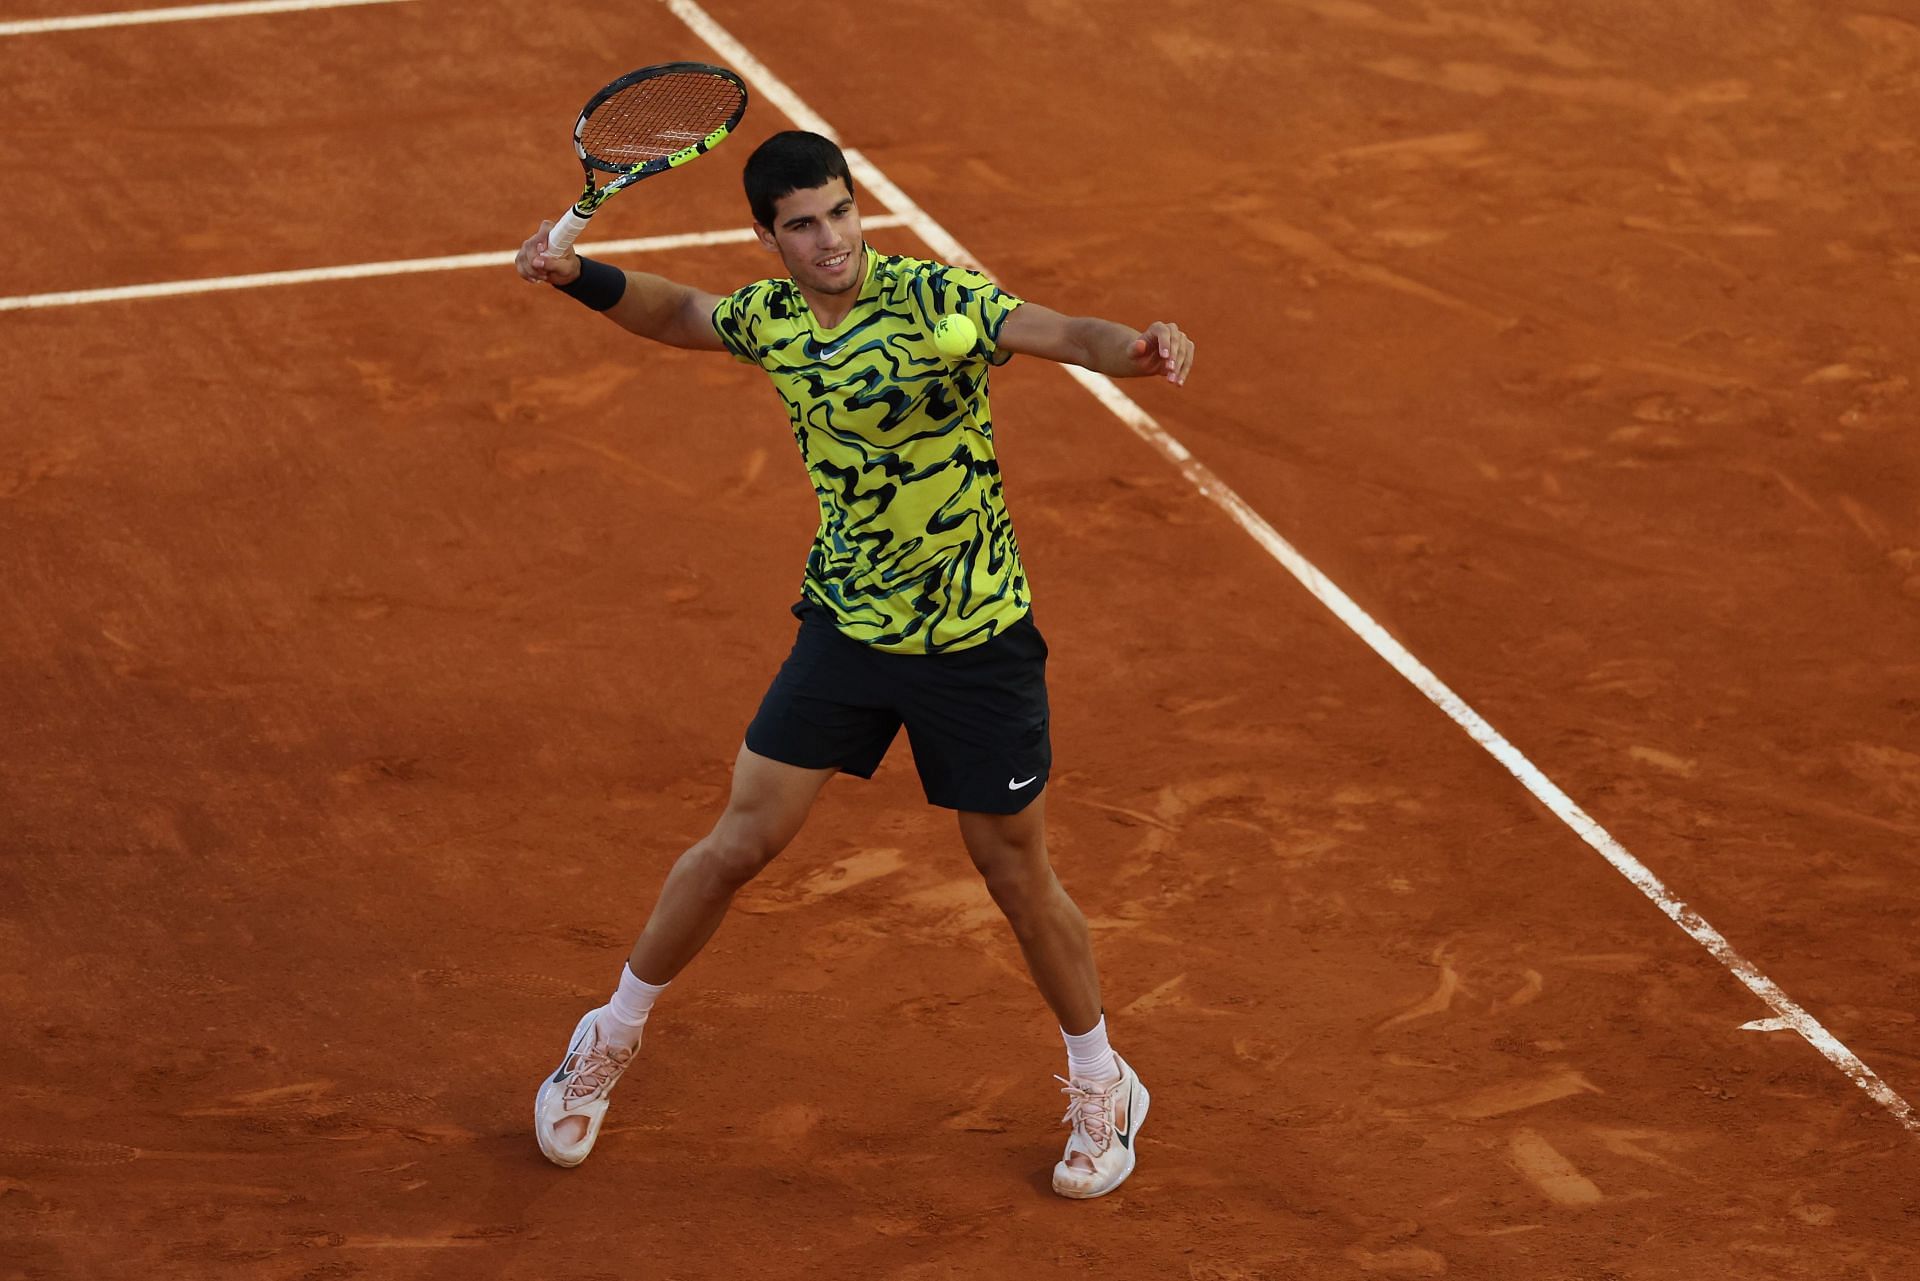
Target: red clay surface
368,662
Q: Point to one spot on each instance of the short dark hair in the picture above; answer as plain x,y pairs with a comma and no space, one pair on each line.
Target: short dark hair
788,162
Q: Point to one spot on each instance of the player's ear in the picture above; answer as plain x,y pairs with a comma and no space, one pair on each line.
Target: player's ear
767,242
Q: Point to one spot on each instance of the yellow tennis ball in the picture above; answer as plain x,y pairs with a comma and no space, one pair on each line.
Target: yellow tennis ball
955,335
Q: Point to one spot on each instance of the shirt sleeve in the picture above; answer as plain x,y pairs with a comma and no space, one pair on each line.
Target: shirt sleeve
736,318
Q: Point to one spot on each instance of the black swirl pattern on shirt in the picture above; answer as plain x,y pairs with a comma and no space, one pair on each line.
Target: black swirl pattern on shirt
915,551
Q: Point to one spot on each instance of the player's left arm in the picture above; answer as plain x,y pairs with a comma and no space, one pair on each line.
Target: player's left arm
1103,346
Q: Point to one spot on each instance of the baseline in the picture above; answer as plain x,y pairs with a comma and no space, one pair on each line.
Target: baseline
184,13
364,270
1376,637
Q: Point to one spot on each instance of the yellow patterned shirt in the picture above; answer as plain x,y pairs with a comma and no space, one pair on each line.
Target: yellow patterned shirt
915,552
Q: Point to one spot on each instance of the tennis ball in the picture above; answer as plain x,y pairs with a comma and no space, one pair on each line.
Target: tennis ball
955,335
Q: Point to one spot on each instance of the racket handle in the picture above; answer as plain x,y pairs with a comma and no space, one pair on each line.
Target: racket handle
565,232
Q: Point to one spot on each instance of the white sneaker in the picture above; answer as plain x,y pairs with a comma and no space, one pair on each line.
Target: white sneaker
1106,1119
579,1088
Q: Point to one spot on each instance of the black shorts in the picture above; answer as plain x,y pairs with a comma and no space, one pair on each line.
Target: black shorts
977,718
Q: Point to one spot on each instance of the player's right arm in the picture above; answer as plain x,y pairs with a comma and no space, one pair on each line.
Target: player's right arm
651,306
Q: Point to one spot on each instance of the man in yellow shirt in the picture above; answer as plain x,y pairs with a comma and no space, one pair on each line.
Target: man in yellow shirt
914,610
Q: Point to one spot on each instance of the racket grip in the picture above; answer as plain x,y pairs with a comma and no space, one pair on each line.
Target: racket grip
565,232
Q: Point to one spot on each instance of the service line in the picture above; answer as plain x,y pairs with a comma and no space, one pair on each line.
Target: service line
184,13
365,270
1362,624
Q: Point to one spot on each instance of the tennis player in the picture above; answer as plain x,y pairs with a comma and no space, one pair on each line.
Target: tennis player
914,608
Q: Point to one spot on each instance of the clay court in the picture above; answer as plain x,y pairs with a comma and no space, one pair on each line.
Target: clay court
373,645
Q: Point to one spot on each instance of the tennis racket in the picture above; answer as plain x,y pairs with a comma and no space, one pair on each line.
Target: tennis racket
647,122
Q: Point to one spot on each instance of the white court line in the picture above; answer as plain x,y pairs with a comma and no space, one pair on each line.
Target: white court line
1342,605
365,270
185,13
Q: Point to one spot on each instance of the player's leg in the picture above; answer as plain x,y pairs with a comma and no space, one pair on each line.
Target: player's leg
766,807
814,721
981,740
1010,852
1106,1101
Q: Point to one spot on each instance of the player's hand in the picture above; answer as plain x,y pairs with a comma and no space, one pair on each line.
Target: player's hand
538,266
1161,349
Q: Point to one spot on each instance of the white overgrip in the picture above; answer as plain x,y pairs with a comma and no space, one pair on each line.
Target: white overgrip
561,237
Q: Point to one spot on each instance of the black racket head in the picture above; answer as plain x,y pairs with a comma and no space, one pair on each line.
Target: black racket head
659,117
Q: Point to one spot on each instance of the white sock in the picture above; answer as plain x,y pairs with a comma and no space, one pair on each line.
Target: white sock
1089,1057
626,1013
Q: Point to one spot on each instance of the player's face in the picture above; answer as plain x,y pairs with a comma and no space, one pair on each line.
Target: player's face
817,233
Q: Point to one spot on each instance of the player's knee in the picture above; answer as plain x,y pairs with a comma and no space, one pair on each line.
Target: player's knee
1021,891
732,856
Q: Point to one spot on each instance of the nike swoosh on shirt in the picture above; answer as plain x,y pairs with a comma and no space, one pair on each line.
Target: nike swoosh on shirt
1014,787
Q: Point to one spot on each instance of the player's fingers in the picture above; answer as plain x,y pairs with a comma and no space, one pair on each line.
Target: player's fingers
528,260
535,250
1186,361
1163,336
1169,349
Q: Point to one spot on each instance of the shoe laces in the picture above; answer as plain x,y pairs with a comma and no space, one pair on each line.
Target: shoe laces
595,1070
1090,1110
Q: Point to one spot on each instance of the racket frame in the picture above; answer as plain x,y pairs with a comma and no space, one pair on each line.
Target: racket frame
574,221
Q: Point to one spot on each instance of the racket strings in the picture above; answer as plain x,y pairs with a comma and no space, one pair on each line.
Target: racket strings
658,117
